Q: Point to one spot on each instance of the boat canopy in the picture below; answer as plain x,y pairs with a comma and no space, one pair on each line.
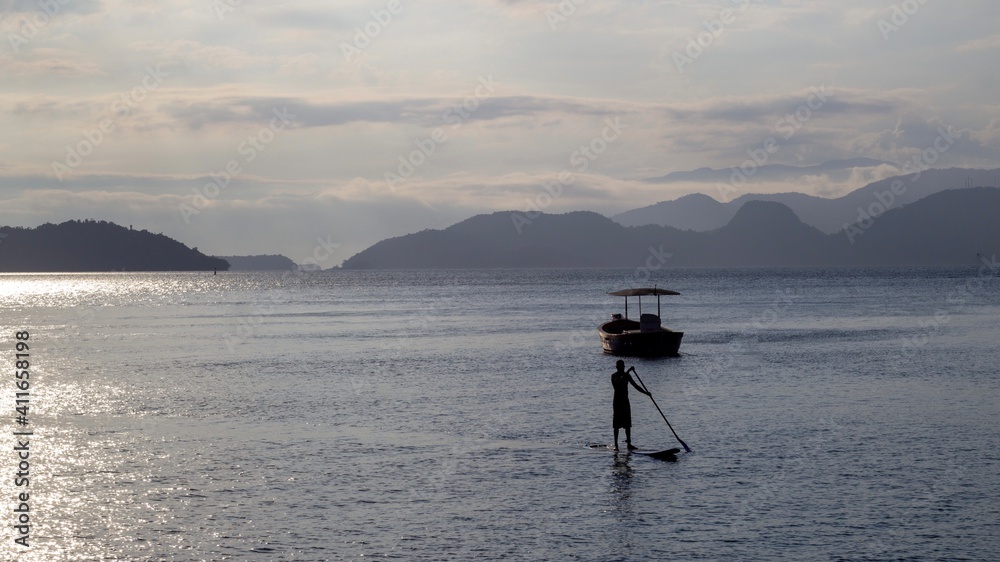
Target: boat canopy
643,292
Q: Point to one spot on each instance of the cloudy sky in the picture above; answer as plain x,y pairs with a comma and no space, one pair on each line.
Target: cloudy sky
250,127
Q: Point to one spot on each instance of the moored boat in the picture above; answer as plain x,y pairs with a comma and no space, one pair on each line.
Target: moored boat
645,337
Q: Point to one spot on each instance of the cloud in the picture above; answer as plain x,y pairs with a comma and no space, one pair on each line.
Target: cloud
914,133
21,7
830,101
317,17
425,111
983,44
46,63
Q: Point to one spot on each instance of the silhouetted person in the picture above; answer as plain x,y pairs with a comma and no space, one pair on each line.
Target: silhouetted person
622,417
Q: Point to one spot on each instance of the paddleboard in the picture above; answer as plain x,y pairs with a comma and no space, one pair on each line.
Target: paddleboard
665,455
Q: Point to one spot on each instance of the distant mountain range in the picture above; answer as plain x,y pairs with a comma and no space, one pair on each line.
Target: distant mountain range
947,228
703,213
80,246
906,220
771,172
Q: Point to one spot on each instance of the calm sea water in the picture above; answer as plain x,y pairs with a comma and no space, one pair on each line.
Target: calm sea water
444,415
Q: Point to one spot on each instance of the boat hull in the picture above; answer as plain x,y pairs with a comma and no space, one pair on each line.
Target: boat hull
623,337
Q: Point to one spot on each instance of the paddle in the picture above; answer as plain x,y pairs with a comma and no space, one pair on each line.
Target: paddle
686,448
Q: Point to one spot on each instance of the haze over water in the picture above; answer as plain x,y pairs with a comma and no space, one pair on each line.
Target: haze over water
833,414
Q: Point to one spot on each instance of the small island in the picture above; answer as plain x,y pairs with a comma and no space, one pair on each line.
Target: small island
260,263
96,246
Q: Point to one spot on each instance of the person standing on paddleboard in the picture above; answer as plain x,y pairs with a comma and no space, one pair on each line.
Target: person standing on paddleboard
622,410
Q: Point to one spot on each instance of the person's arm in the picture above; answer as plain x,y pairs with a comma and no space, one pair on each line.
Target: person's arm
637,387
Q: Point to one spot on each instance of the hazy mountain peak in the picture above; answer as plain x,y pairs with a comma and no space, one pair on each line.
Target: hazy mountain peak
828,215
769,172
753,213
697,197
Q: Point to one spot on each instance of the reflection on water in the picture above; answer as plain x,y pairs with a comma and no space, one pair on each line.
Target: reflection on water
621,488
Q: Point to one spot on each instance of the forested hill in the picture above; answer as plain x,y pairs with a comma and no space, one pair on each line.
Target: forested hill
80,246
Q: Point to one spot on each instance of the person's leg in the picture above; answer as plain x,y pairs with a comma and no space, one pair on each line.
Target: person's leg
628,438
616,438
